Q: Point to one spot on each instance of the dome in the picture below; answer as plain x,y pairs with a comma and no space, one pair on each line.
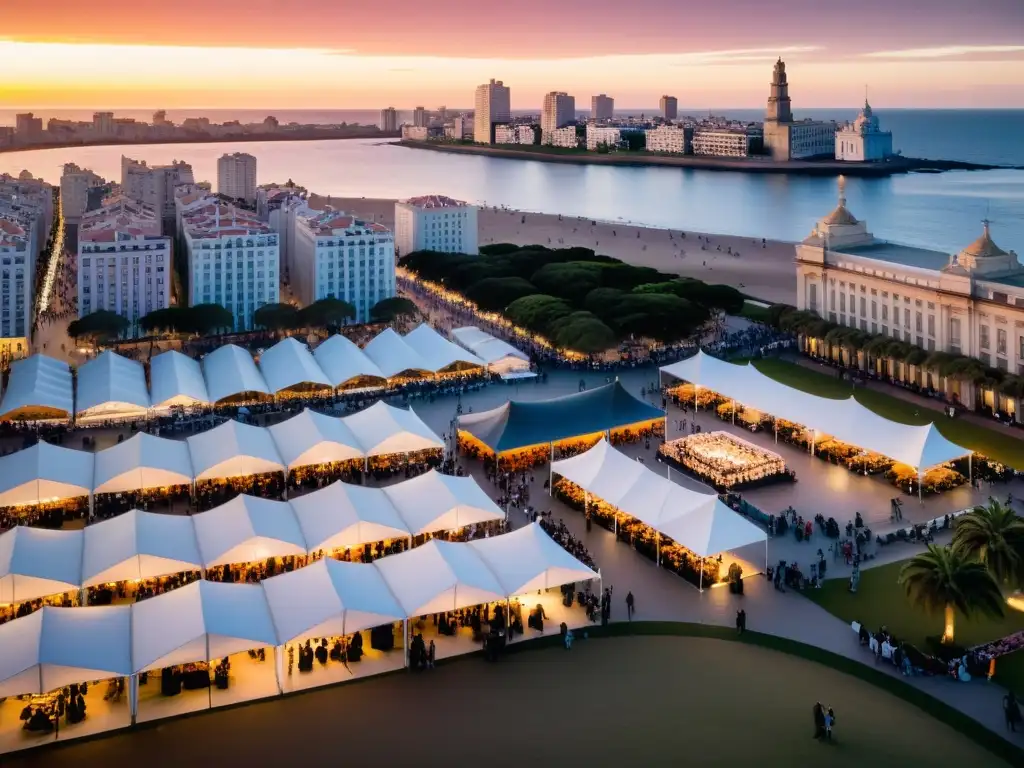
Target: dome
983,247
840,216
866,121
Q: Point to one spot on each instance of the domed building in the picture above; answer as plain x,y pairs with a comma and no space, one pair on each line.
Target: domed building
863,140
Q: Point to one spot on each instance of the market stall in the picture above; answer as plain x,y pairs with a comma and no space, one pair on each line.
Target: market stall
39,388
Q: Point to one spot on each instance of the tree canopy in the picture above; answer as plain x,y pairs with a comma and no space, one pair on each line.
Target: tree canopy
329,312
100,325
538,313
390,309
277,317
493,294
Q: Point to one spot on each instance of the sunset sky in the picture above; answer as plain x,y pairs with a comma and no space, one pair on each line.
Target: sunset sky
339,54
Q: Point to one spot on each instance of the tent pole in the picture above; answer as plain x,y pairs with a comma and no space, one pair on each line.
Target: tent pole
133,697
701,565
209,688
970,469
657,545
920,491
616,523
696,389
775,427
278,667
410,537
508,620
814,437
734,412
405,641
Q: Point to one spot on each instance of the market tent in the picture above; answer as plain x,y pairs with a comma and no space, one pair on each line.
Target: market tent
393,356
439,576
233,449
202,621
55,647
112,386
520,424
311,438
176,379
439,353
247,529
344,515
229,372
498,355
712,528
42,473
528,559
384,429
138,545
434,502
288,365
336,599
142,462
343,362
38,562
39,387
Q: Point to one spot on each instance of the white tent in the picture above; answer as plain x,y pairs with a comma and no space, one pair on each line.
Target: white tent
37,562
342,361
439,576
202,621
39,385
434,502
55,647
311,438
233,449
528,559
345,515
176,379
141,462
247,529
139,545
499,356
437,351
112,386
288,365
329,598
393,356
44,473
709,529
230,371
383,429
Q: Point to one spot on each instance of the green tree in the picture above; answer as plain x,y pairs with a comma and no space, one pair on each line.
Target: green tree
166,320
603,301
389,310
537,313
995,536
277,317
99,326
946,580
206,319
776,312
571,280
582,332
329,312
493,294
658,316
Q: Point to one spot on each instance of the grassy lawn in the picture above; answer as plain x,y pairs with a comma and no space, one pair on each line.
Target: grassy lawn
881,601
754,312
999,446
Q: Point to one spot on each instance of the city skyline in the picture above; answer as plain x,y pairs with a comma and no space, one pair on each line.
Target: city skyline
249,55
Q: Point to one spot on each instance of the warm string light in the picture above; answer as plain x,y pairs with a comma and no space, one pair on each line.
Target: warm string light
56,252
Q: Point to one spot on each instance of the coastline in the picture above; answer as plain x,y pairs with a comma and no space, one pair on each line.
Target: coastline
736,165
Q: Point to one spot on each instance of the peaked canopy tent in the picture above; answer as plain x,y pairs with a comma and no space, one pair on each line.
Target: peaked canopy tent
112,386
231,374
43,473
383,429
138,545
439,353
342,515
523,424
176,380
233,449
39,387
919,447
394,357
247,529
36,562
499,356
289,366
346,365
527,560
434,502
337,599
311,438
142,462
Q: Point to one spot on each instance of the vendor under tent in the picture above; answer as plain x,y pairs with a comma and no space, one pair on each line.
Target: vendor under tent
43,473
384,429
39,387
527,560
342,515
142,462
111,386
139,545
434,502
439,353
176,380
499,356
344,363
394,357
38,562
231,374
247,529
233,450
289,366
310,438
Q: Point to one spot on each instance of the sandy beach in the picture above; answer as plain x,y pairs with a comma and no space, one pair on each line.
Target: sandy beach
762,270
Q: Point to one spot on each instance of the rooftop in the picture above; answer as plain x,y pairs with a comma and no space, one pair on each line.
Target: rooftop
330,221
435,201
218,219
903,255
121,215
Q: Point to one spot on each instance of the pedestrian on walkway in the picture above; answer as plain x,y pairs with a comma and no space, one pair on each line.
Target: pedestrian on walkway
629,606
819,720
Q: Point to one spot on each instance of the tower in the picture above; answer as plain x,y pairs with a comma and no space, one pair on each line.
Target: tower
778,100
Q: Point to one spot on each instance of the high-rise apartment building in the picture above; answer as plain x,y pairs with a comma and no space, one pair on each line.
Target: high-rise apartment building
435,223
75,184
103,125
602,107
275,205
154,185
669,107
558,111
26,215
675,139
236,176
419,117
28,127
602,136
492,106
388,120
124,262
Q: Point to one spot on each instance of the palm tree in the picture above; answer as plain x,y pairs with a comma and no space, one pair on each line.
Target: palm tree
995,536
946,579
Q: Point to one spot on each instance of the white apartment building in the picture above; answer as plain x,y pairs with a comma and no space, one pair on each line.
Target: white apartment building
669,107
721,142
435,223
388,120
124,263
154,185
419,117
525,134
602,135
505,134
457,130
863,140
26,215
28,127
103,124
233,258
492,106
236,176
340,256
602,107
669,138
563,137
811,138
415,132
75,184
278,206
558,111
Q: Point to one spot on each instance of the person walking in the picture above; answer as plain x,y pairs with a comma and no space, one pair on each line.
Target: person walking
629,606
819,721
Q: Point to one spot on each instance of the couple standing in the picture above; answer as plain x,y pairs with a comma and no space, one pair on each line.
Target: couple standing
824,719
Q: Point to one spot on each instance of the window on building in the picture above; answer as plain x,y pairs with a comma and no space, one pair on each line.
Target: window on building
983,337
1000,341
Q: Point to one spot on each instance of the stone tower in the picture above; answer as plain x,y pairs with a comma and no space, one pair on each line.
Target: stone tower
778,100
